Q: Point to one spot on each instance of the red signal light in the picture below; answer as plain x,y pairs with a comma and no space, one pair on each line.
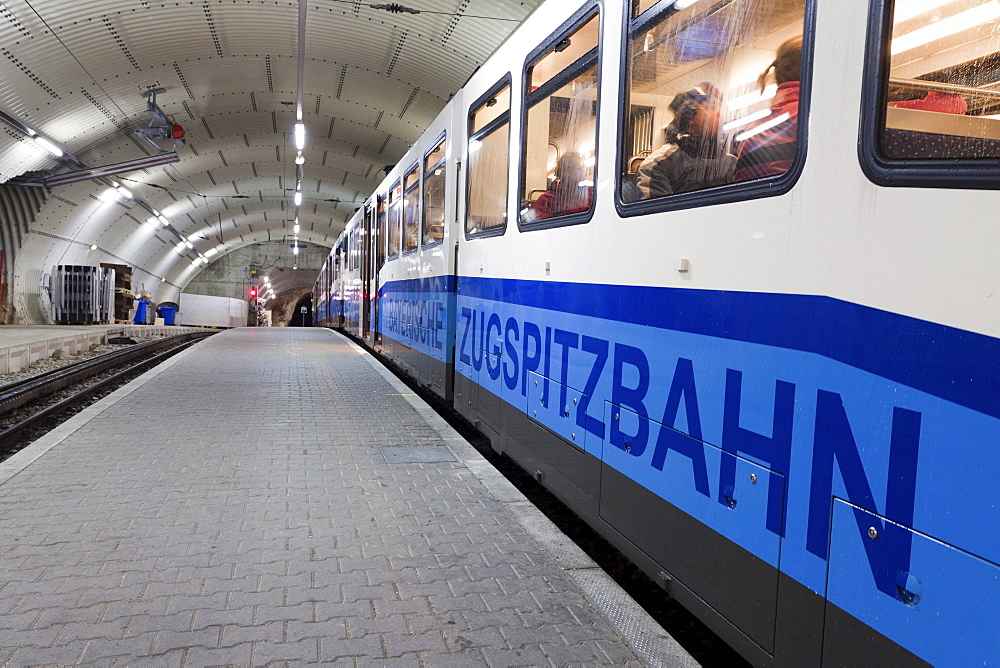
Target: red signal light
253,292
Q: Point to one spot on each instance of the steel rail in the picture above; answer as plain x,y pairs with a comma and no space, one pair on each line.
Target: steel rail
9,435
25,391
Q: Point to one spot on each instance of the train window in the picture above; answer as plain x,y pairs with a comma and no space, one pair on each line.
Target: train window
489,157
937,96
411,209
639,6
381,225
560,129
434,175
395,218
712,97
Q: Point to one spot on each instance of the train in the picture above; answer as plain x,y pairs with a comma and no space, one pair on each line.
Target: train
720,275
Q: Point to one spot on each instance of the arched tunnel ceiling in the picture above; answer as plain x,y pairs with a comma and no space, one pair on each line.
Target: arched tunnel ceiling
373,80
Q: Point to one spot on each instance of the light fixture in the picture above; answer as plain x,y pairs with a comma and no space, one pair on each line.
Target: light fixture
210,252
905,11
762,127
93,246
124,192
154,221
162,279
188,244
295,250
48,146
180,247
110,195
300,136
164,220
300,159
754,97
683,4
946,27
746,120
295,229
298,198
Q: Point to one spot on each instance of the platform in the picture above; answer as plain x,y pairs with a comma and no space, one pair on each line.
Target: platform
275,495
21,346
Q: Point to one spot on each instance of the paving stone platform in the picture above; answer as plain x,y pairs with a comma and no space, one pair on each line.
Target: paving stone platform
263,498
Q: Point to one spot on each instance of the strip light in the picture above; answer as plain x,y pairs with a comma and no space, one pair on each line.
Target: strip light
746,120
300,136
947,27
777,120
48,146
907,10
754,97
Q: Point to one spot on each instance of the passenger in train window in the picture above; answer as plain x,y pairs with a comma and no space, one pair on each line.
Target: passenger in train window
767,146
699,161
568,193
943,103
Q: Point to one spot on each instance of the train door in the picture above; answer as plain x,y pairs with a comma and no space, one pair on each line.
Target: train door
380,230
366,275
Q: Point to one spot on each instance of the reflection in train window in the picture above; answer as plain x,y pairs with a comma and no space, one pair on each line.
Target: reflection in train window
713,96
489,155
395,218
411,209
942,91
434,173
561,126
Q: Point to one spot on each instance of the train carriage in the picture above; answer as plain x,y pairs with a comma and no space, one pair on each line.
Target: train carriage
719,275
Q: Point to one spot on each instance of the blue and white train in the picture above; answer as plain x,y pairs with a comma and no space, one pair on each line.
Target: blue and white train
778,394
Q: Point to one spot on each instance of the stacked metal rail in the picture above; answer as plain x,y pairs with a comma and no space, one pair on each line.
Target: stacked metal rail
82,294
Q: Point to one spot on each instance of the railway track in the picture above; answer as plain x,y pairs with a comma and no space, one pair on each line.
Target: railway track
35,389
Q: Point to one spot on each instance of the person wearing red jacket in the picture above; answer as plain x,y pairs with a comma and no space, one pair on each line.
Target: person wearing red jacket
767,146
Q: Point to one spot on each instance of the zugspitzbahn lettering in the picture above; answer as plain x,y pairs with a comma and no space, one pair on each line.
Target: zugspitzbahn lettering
514,348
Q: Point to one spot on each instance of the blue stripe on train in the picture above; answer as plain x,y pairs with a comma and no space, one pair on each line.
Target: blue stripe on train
690,392
960,366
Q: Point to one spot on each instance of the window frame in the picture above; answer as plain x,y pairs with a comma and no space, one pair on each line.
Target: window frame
574,69
769,186
443,137
487,129
388,220
964,173
419,187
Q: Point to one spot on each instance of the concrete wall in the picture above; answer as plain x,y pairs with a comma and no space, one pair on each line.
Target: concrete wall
229,276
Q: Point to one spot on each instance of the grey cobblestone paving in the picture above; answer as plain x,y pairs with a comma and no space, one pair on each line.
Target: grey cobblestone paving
235,508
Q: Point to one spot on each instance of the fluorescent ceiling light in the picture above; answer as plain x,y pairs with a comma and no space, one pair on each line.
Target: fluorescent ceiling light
946,27
300,136
295,230
907,10
188,244
746,120
298,198
163,220
764,126
752,98
124,192
48,146
295,250
300,159
110,195
210,252
180,247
